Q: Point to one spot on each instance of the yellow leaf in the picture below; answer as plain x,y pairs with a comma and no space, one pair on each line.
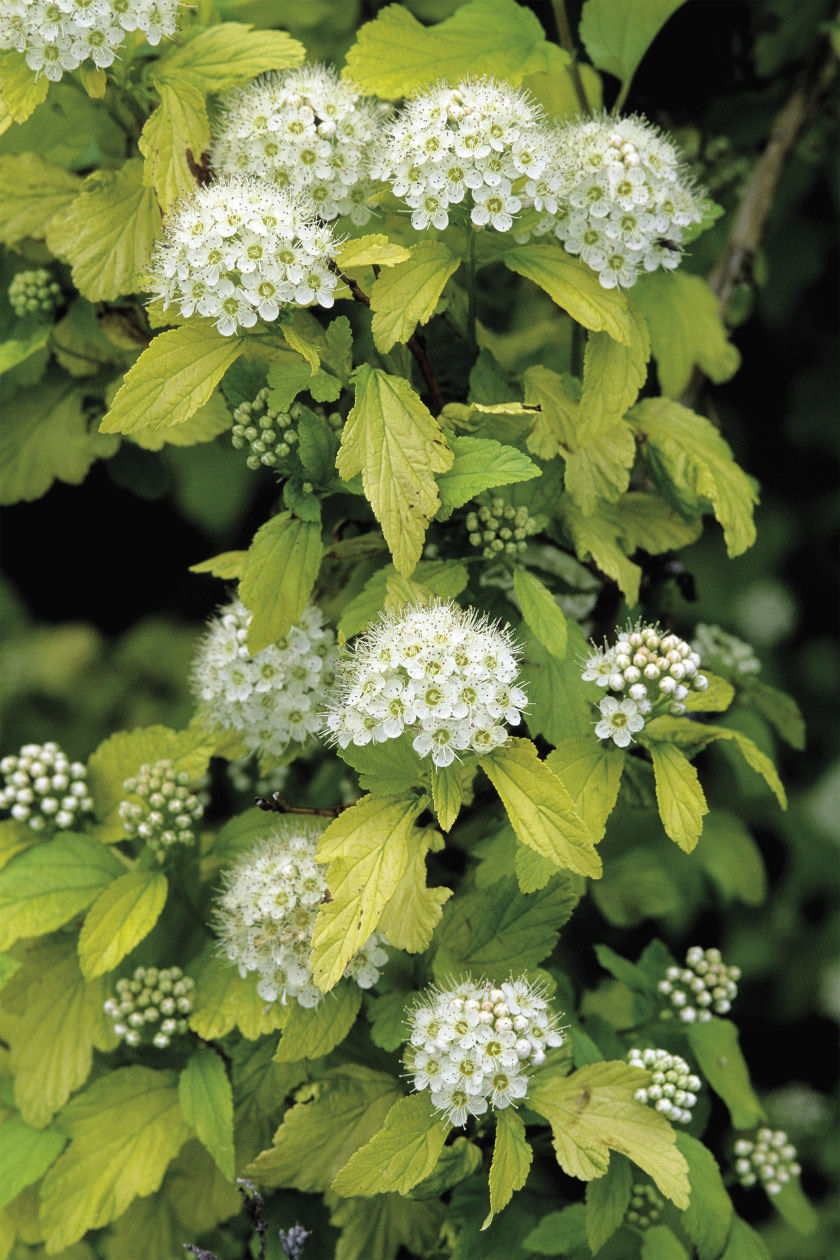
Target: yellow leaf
413,910
679,795
512,1157
278,575
177,127
225,1000
407,294
402,1153
32,192
370,251
574,287
119,919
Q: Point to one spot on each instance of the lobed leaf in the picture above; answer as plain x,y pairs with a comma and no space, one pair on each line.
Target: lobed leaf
407,294
401,1154
177,128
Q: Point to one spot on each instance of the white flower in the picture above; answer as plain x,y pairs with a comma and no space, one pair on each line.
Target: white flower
472,1044
673,1087
266,911
153,1001
44,789
159,808
443,674
241,248
620,720
272,698
703,987
767,1157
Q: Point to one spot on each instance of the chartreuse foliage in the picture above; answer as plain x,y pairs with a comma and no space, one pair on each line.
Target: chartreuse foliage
464,376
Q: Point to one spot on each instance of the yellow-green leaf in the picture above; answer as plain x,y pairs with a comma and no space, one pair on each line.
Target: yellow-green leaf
402,1153
613,374
708,1217
574,287
205,424
481,464
45,887
226,565
447,784
541,611
647,521
696,735
686,329
21,89
413,911
32,192
591,773
121,756
512,1156
119,919
278,576
206,1100
406,295
607,1200
225,1000
178,127
679,795
599,471
221,56
370,251
597,537
617,36
310,1033
395,443
25,1155
556,425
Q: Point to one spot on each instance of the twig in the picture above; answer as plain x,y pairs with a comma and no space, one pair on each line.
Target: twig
277,804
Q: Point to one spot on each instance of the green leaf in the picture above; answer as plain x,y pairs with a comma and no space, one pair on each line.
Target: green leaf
388,768
383,1226
728,853
406,295
695,735
25,1155
178,127
457,1162
206,1099
45,887
512,1156
225,1000
173,377
125,1128
18,349
648,522
791,1203
21,89
120,757
607,1200
575,288
679,795
108,232
558,704
32,193
370,251
222,56
317,446
689,459
598,537
708,1217
481,464
401,1154
540,809
560,1233
278,576
613,374
780,710
367,847
340,1113
447,793
285,382
716,1047
541,612
392,439
661,1243
591,773
310,1033
119,919
446,578
686,329
617,36
593,1111
394,54
744,1243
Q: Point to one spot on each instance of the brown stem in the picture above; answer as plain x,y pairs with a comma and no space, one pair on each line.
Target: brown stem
277,804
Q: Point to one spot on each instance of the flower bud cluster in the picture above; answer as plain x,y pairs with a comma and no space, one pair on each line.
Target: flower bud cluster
34,293
238,250
266,911
500,529
673,1088
724,650
705,986
481,142
270,436
163,811
645,1207
471,1045
768,1158
306,130
55,36
43,788
622,200
151,1006
443,673
274,697
654,671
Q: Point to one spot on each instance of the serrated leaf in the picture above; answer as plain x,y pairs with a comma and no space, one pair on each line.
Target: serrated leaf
285,382
383,1226
446,578
392,439
387,768
125,1129
310,1033
174,376
481,464
227,565
780,710
575,288
687,733
512,1156
540,809
558,705
413,911
206,1100
716,1047
394,54
728,853
679,796
21,89
401,1154
225,1000
607,1200
32,192
649,523
613,374
456,1162
744,1243
597,537
686,329
618,36
591,773
555,426
278,576
447,793
708,1217
317,446
594,1110
375,250
177,127
661,1243
541,611
367,848
406,295
599,471
43,888
25,1155
221,56
121,756
122,915
559,1233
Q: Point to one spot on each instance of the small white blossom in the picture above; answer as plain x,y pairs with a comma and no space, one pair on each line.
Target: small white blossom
767,1158
722,649
472,1044
266,911
159,809
620,720
270,436
44,789
645,1207
272,698
673,1087
705,986
151,1007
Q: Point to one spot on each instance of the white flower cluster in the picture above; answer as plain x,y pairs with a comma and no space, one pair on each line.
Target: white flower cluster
240,249
59,35
154,1001
471,1045
500,528
266,911
34,293
270,435
164,811
725,650
645,1207
703,987
768,1157
273,698
306,130
43,788
673,1088
442,672
656,671
481,142
618,197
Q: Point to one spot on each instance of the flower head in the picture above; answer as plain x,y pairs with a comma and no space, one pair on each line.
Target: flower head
266,911
705,986
55,36
151,1006
767,1158
472,1044
446,675
308,131
273,697
159,808
240,249
270,436
645,1207
34,293
724,650
499,529
673,1087
43,788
